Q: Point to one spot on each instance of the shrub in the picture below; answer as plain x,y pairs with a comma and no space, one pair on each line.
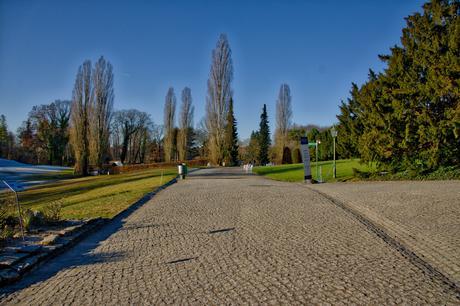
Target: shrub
360,174
31,218
52,212
5,233
27,219
3,216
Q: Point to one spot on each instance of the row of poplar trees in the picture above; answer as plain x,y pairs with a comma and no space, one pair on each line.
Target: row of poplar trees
91,113
219,123
408,117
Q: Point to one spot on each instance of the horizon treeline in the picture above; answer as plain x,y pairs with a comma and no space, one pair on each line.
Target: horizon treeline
404,118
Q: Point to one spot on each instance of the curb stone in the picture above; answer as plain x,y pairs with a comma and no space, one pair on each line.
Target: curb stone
32,257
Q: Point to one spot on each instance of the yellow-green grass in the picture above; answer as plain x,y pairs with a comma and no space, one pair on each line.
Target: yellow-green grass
295,172
96,196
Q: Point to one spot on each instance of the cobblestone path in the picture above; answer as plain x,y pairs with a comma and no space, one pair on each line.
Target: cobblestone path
425,216
222,237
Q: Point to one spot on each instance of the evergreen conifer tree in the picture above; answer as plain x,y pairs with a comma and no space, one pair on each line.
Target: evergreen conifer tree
407,117
231,137
264,137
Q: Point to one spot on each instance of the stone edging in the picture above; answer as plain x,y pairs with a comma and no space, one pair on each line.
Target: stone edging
36,255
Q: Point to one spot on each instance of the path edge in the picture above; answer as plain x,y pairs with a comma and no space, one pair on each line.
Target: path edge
31,263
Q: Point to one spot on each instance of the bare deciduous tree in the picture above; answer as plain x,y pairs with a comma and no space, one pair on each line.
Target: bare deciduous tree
81,103
283,119
169,118
157,137
201,138
185,123
49,123
101,111
130,131
218,98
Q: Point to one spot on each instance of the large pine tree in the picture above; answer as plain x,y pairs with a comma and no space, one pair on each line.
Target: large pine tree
231,137
264,137
408,116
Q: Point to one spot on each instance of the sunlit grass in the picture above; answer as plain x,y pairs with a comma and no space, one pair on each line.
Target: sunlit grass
96,196
295,172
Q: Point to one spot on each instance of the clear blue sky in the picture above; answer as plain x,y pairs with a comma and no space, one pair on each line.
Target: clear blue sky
317,47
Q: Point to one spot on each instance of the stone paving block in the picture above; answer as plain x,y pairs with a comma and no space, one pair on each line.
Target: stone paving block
50,239
11,258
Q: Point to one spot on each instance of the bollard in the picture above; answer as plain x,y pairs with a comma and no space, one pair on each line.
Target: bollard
180,171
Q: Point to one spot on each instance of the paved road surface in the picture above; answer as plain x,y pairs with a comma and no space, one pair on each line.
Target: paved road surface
223,237
425,216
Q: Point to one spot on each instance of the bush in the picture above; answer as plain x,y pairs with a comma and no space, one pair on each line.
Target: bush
7,224
442,173
27,219
32,218
361,174
3,216
52,212
5,233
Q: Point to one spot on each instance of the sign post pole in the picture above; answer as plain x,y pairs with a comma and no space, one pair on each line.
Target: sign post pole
316,155
334,135
306,159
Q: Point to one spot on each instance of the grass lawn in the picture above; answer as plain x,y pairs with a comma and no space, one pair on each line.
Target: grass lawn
51,176
96,196
295,173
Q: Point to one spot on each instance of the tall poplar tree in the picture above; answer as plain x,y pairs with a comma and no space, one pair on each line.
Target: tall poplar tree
218,98
283,121
169,125
80,118
185,124
101,111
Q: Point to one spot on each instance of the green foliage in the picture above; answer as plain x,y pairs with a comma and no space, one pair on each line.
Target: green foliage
3,215
52,212
252,151
264,137
6,139
442,173
28,219
231,138
407,118
6,233
7,221
296,156
3,135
